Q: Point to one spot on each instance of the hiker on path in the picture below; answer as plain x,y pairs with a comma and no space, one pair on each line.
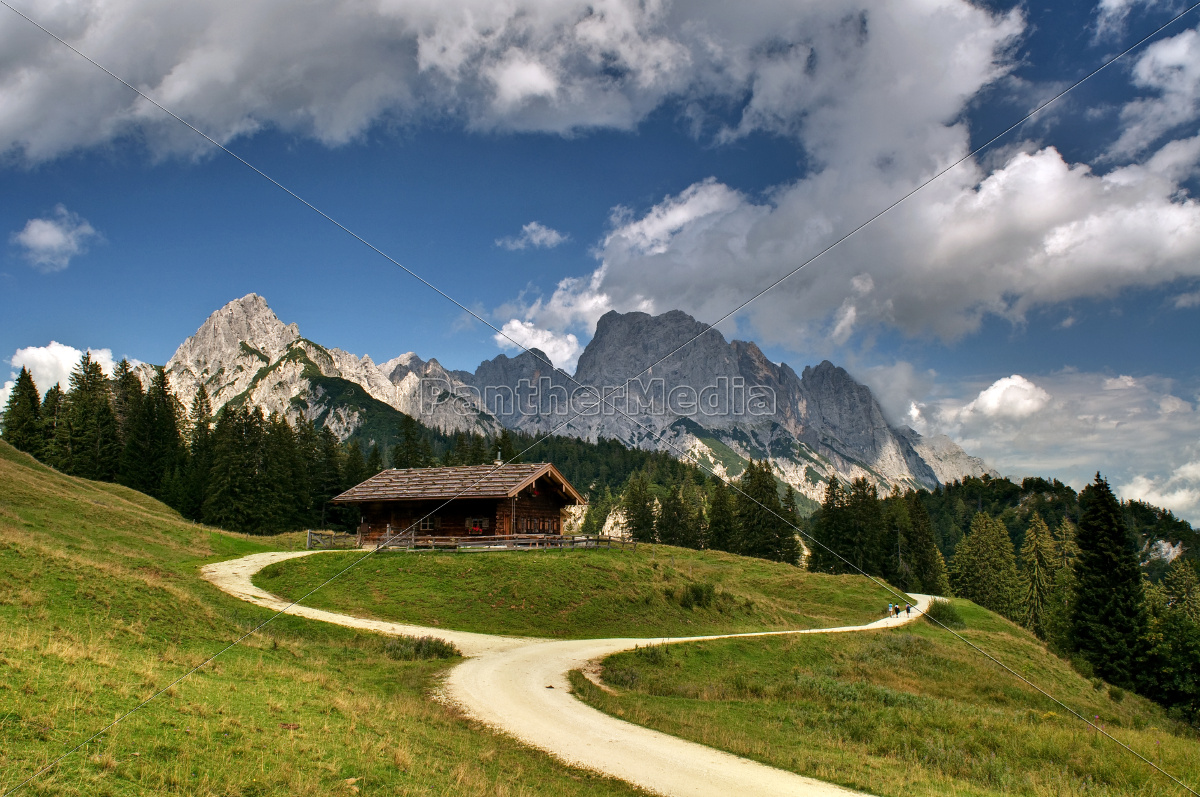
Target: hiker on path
908,609
889,610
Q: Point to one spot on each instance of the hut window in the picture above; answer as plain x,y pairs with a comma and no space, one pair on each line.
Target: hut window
430,523
478,522
554,524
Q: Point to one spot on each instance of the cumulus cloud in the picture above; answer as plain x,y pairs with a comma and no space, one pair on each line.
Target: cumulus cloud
332,70
536,235
1139,432
1178,490
52,365
50,243
1011,397
1170,69
562,349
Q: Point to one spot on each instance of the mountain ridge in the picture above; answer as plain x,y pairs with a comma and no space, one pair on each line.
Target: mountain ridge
722,402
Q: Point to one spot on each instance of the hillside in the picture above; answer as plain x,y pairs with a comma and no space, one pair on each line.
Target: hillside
657,590
102,607
904,712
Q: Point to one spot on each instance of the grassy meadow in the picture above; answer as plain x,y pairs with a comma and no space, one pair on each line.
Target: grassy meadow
910,711
656,590
101,605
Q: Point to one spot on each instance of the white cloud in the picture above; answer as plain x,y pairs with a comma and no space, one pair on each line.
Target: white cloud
51,365
1011,397
1178,491
562,349
534,234
1111,15
1069,425
331,70
1171,70
1186,300
50,243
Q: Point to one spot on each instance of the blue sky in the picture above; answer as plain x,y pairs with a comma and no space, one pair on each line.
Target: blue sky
1039,303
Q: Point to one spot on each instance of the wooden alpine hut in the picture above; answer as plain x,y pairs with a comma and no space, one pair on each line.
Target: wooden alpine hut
473,500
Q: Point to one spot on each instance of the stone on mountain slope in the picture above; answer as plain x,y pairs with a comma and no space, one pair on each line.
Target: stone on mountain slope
244,353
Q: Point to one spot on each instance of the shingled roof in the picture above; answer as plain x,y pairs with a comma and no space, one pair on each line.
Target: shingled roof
468,481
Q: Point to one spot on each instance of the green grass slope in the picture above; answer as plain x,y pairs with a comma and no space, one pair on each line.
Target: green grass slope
581,594
101,605
910,711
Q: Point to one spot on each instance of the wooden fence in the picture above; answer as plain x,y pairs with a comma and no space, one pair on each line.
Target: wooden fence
327,540
504,542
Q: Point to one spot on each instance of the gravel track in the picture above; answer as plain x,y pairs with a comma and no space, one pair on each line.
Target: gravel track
518,685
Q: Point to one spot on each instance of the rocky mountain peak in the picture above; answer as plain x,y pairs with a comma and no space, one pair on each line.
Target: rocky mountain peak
247,321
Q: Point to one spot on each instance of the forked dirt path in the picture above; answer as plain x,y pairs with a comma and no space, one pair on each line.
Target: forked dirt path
518,685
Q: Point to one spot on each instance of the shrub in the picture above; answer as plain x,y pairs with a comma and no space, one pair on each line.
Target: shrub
697,595
408,648
653,654
945,613
1116,694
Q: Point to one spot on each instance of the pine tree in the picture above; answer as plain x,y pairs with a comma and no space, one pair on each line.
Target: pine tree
477,453
928,566
1108,617
199,460
54,427
374,461
763,530
329,481
671,524
639,508
1171,670
405,452
984,568
896,558
505,448
1038,567
830,553
234,497
597,514
127,397
23,416
153,446
722,532
354,467
694,530
1181,586
865,527
91,449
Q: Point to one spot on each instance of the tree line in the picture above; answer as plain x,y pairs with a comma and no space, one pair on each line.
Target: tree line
1076,582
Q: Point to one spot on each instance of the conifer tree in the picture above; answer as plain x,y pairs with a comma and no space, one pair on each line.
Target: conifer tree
984,568
671,524
694,529
505,448
896,555
405,453
928,566
127,396
1038,566
1108,617
374,461
199,460
763,530
639,508
830,553
54,432
91,449
23,417
1170,665
329,480
235,498
354,467
721,528
477,453
1181,586
597,513
864,526
285,494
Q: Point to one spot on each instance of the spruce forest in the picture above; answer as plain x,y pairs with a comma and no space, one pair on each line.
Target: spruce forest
1111,586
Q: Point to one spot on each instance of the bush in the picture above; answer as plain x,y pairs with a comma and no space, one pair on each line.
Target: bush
653,654
408,648
697,595
944,613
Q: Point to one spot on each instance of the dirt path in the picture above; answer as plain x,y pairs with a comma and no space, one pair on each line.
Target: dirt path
518,685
